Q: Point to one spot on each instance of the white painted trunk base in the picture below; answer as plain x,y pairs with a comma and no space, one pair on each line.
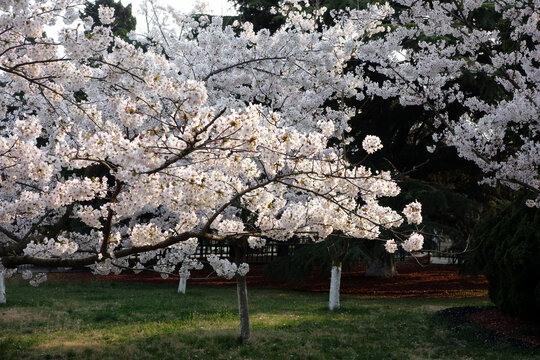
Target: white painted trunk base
182,285
335,281
2,288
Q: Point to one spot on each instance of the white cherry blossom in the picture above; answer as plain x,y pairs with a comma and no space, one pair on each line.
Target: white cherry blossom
223,136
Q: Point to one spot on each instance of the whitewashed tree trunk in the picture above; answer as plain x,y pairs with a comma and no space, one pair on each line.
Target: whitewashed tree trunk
335,281
2,288
243,310
182,285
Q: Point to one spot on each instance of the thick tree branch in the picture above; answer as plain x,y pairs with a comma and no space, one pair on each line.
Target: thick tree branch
215,72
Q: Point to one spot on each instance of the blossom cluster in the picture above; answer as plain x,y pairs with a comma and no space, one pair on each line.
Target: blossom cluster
413,212
225,268
256,242
59,247
413,243
36,279
181,253
106,15
371,144
390,246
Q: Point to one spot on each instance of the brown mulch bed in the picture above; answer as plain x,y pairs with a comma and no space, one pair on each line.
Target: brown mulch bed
494,326
413,280
514,328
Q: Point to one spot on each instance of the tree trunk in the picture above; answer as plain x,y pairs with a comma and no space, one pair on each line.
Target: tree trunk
282,250
2,288
240,250
382,266
335,281
182,285
243,310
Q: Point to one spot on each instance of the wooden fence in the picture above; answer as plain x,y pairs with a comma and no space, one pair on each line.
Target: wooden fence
268,253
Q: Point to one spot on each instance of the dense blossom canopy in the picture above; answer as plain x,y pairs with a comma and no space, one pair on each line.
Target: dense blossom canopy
210,132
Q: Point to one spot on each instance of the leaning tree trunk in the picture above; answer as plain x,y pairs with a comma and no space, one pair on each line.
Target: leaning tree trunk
240,252
335,281
182,285
381,266
2,287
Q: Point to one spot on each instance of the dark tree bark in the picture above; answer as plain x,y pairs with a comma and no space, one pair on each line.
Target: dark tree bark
243,309
240,252
381,266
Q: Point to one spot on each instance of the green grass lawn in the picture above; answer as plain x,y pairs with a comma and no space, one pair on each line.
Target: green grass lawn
103,320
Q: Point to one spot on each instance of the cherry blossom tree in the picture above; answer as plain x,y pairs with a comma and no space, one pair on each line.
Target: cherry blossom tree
475,66
298,51
113,157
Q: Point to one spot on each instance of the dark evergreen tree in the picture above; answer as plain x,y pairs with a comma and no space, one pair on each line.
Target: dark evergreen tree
258,12
124,21
508,242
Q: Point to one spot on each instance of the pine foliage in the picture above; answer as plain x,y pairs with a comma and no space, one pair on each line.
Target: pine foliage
509,255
